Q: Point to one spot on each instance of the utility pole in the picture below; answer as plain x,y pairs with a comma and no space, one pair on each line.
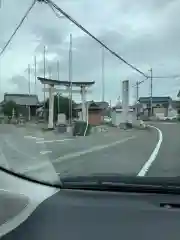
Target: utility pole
70,80
137,98
151,89
35,74
137,91
29,88
44,60
58,78
103,83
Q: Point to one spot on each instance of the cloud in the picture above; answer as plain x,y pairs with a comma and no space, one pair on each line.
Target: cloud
144,33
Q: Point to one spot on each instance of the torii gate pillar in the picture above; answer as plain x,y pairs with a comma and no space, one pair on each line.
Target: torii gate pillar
51,107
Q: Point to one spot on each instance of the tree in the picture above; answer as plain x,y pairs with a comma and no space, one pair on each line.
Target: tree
64,104
8,108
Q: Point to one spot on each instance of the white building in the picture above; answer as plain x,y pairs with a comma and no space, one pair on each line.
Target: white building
117,115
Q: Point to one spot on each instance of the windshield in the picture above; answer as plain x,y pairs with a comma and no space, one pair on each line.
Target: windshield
93,93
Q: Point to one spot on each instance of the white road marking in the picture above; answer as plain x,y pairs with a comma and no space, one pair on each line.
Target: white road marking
153,156
28,137
78,154
45,152
90,150
169,123
31,137
55,140
39,139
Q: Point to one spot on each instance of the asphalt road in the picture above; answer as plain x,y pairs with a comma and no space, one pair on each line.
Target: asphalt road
167,162
40,155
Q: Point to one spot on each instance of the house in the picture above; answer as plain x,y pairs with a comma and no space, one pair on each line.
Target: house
24,102
176,106
96,111
161,106
104,106
178,95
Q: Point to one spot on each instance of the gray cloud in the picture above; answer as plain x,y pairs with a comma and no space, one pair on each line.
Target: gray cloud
21,83
144,33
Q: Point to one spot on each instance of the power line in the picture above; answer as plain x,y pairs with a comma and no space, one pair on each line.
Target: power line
140,82
171,89
157,77
52,4
169,92
173,76
57,15
17,28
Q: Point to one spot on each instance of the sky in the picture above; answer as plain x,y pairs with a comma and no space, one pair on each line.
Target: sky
145,33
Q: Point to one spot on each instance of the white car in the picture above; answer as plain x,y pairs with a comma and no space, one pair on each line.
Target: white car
170,118
107,119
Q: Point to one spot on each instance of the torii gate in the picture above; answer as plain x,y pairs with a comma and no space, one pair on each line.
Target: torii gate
51,89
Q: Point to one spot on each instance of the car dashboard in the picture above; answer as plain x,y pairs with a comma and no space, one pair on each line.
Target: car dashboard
78,214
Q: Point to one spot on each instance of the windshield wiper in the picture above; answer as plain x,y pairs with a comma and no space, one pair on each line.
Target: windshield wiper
118,183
